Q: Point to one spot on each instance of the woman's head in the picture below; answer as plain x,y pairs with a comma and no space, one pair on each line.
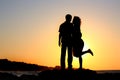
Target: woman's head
76,21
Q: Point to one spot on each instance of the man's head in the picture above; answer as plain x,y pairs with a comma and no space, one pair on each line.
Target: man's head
68,17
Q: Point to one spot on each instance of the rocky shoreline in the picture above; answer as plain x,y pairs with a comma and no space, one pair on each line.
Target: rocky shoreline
63,75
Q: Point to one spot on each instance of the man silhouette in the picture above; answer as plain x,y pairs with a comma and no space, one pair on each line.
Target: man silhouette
65,41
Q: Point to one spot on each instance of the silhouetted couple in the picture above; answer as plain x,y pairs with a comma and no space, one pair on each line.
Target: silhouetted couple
70,38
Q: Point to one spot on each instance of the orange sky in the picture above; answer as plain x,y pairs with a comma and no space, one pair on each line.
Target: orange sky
29,31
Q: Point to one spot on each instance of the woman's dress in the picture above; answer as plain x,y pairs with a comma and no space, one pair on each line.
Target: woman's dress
77,43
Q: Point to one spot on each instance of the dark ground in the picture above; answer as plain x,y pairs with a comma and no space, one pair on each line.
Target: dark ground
63,75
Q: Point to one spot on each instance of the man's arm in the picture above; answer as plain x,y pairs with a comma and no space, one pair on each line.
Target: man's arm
59,41
60,36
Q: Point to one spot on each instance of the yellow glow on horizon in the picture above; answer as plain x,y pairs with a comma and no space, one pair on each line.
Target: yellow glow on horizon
43,49
38,43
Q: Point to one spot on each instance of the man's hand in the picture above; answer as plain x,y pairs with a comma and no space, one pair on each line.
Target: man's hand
59,43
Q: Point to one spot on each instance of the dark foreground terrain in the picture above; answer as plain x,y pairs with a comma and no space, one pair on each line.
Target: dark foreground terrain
63,75
7,65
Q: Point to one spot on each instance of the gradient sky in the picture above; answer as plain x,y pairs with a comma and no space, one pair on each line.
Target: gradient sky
29,31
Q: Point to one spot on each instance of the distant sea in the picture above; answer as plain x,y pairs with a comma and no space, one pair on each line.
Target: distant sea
107,71
19,73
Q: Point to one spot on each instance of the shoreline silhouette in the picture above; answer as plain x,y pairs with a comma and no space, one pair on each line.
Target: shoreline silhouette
57,74
7,65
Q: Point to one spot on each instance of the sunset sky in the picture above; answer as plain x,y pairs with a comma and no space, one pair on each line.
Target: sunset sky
29,31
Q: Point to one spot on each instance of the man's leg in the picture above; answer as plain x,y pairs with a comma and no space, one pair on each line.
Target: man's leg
63,54
70,57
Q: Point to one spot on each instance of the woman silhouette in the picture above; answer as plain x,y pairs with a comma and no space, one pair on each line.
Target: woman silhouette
78,43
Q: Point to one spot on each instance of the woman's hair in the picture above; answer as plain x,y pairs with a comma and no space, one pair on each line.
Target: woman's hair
76,21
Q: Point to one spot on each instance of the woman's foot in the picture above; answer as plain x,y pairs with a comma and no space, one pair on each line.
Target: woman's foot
89,50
